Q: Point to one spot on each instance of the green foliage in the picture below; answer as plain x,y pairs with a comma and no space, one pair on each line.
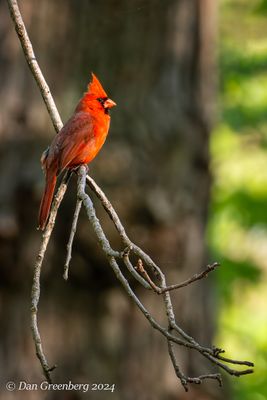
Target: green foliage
237,65
249,210
233,273
238,216
261,7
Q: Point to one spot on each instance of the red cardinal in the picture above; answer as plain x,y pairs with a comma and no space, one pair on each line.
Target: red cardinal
78,142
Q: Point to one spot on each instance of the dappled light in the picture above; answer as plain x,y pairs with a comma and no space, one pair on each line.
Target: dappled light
238,216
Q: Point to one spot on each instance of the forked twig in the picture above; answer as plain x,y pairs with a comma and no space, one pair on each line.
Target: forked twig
140,268
186,379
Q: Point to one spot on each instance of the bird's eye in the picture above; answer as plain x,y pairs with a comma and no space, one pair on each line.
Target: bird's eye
102,100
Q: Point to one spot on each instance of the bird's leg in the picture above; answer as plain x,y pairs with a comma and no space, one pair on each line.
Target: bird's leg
75,169
87,168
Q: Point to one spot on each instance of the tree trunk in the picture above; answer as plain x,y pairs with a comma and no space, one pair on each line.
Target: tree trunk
156,60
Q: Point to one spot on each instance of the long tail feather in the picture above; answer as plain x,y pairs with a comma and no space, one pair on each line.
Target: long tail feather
46,201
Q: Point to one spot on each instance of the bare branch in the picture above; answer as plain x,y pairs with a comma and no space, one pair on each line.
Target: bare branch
213,354
180,375
194,278
70,242
33,64
140,268
35,294
186,379
229,360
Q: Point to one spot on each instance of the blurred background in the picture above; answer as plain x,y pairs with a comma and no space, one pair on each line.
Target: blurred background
185,167
237,230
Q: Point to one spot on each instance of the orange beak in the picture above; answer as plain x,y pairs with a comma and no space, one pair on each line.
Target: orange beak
110,103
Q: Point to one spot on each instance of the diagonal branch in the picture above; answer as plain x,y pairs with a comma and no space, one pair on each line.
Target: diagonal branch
33,64
194,278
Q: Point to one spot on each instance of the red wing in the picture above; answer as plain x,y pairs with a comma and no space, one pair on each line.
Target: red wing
72,138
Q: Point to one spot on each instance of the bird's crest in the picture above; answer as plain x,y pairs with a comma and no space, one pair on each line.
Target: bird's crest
95,88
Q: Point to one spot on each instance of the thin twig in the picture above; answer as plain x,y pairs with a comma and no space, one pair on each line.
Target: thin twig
72,234
132,270
237,362
140,268
186,379
35,293
194,278
180,375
